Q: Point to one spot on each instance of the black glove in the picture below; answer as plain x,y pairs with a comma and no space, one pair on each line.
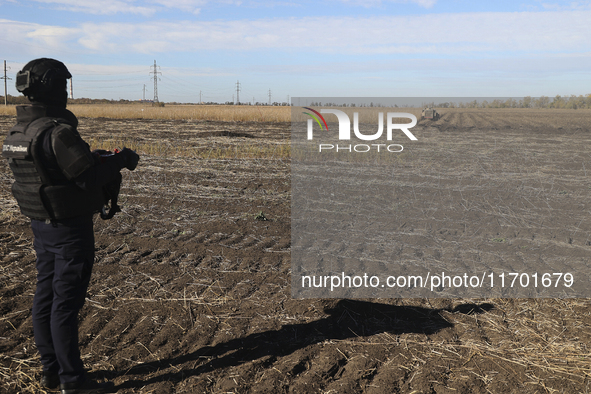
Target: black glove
130,158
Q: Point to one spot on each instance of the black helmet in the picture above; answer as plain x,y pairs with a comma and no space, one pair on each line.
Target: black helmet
44,80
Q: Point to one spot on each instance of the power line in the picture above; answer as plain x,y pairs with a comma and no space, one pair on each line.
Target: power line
155,72
102,81
237,92
112,73
5,78
108,87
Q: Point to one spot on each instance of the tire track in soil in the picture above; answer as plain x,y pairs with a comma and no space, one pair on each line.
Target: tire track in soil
219,266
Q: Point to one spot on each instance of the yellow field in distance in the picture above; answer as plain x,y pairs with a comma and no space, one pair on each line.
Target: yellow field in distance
228,113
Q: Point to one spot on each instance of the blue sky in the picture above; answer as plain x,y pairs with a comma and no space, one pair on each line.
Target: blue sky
368,48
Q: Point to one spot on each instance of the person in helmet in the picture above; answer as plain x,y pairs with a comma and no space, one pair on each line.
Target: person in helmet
58,185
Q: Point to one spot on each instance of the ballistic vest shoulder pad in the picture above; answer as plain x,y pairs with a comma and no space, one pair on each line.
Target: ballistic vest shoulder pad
71,152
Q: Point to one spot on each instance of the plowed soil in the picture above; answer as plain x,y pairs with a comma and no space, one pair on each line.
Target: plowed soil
191,288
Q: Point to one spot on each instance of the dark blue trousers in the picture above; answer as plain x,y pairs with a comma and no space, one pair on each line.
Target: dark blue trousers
65,255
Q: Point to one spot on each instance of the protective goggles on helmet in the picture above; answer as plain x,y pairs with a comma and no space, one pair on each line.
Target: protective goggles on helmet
25,80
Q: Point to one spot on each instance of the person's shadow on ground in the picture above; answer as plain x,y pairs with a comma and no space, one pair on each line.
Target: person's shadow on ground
348,319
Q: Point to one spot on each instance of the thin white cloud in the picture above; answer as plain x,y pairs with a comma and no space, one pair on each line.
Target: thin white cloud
377,3
573,5
152,7
425,3
146,8
465,34
468,33
103,7
32,38
82,70
192,6
51,36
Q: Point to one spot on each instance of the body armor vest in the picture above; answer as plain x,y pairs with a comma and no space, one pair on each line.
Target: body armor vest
43,192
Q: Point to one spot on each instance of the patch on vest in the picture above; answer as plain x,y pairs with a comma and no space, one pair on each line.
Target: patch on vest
16,150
